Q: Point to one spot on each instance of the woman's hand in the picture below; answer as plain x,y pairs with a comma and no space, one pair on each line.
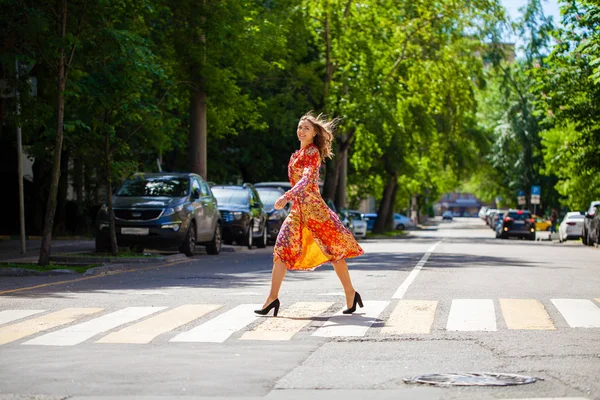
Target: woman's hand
280,203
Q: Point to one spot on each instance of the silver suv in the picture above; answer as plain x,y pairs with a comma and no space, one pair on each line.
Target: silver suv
163,211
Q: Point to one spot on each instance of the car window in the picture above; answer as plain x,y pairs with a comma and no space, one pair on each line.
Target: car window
231,196
196,186
204,190
155,187
269,197
519,216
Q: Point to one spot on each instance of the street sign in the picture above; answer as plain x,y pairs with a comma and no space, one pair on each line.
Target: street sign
536,192
521,197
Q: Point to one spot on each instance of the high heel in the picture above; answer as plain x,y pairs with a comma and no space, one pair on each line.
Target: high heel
274,304
357,300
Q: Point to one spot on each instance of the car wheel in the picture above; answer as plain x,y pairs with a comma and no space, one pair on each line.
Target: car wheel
262,243
214,247
188,247
249,238
400,227
102,244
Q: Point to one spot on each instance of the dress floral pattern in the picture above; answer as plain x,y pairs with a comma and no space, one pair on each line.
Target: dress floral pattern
312,234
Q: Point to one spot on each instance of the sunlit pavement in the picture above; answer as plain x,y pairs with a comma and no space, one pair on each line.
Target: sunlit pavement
449,298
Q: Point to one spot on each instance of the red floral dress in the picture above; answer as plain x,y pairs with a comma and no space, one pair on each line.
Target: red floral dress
312,234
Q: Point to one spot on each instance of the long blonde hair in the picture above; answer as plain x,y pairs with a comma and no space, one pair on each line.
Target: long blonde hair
324,128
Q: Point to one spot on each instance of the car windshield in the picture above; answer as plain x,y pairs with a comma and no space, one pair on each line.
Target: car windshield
155,187
269,197
575,216
355,215
519,216
231,196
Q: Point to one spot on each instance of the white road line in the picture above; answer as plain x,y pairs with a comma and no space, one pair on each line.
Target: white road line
355,324
578,313
472,315
12,315
220,328
413,274
81,332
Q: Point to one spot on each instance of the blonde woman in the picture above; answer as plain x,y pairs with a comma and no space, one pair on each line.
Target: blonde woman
312,234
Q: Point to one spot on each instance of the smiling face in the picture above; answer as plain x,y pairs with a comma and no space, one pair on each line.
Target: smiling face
306,132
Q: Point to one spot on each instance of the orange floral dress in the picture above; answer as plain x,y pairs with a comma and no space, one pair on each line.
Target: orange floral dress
312,234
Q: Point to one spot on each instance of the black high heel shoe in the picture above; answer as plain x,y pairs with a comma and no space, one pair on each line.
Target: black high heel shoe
357,300
274,304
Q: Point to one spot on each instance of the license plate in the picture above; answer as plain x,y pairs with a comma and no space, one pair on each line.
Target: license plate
135,231
520,223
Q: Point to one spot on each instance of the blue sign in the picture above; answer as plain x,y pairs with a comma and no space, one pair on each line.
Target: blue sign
520,193
536,190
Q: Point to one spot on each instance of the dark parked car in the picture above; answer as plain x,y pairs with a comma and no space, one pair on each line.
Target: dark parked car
244,219
275,218
586,233
518,223
162,211
594,229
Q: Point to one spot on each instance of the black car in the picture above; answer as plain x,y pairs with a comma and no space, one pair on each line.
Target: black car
587,231
244,219
594,229
162,211
268,196
518,223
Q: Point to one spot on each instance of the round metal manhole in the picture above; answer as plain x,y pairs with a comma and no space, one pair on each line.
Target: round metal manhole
472,379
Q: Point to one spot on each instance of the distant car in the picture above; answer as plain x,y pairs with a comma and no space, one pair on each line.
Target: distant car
497,224
482,211
162,211
370,218
586,233
283,185
497,218
402,222
542,224
571,226
244,219
356,221
518,223
275,218
447,215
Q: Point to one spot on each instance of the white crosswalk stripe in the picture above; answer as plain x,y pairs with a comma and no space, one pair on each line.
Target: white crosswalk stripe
81,332
219,323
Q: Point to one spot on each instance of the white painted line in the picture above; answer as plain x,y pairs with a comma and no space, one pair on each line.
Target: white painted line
413,274
220,328
355,324
472,315
12,315
145,331
81,332
578,313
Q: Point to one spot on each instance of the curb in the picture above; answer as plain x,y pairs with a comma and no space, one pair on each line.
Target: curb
17,237
31,272
107,269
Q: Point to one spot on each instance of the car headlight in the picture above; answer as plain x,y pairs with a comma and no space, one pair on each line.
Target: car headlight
175,226
237,214
173,210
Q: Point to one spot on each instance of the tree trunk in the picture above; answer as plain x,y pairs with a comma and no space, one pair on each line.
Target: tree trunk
114,247
385,214
198,132
341,192
60,219
44,258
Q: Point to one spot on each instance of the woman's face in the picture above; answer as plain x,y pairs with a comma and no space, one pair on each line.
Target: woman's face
306,131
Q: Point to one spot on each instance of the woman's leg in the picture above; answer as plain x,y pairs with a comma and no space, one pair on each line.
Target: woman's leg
277,276
341,269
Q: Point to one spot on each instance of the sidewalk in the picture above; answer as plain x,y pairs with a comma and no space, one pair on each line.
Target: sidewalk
10,249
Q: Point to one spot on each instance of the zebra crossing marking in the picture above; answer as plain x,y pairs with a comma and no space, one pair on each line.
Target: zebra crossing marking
289,322
472,315
357,324
220,328
19,330
13,315
79,333
578,313
145,331
525,314
411,316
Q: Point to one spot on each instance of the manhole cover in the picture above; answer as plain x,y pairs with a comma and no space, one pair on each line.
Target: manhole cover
472,379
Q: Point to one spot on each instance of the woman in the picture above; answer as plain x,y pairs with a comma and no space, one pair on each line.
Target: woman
312,234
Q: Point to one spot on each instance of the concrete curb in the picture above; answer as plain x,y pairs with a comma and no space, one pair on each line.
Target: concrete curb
31,272
106,269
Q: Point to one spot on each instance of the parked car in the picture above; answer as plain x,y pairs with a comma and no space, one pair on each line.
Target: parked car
274,185
370,218
447,215
244,218
356,223
402,222
268,196
594,230
518,223
162,211
542,224
498,217
482,212
589,217
571,226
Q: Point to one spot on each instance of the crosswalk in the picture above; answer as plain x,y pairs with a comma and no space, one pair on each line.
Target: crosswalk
217,323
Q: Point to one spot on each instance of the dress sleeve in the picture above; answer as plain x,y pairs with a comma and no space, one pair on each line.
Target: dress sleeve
311,160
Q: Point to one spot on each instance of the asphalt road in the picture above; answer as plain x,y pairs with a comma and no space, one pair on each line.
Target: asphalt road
446,299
